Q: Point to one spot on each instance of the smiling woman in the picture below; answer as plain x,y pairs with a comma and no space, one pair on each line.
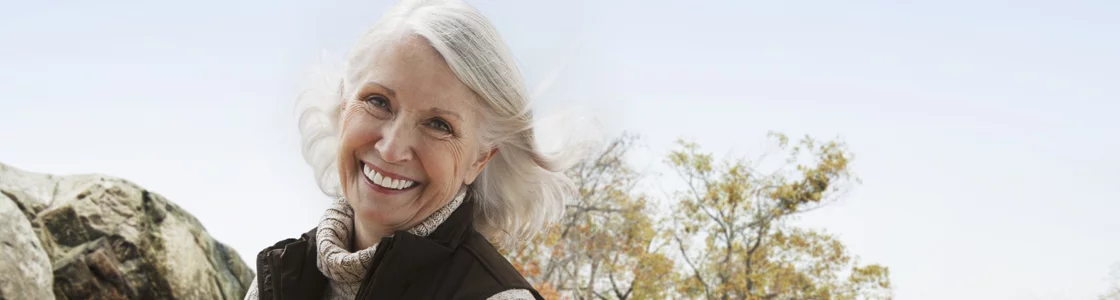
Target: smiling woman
428,145
405,149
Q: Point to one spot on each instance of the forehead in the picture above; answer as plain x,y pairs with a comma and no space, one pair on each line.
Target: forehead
416,73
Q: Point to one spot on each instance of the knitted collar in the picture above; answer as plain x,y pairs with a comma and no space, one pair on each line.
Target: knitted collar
345,269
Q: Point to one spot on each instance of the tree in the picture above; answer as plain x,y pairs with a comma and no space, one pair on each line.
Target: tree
1113,292
730,236
605,246
733,233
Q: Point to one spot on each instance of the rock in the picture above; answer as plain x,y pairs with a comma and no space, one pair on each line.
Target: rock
21,255
32,192
93,273
108,238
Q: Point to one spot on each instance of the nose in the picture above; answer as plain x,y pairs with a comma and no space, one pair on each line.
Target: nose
395,144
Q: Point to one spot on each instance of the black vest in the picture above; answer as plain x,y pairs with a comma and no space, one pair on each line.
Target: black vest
454,262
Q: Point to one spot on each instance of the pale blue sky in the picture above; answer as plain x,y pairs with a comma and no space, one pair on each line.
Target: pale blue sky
985,131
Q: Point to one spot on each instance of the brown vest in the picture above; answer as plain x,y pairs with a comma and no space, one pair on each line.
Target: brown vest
454,262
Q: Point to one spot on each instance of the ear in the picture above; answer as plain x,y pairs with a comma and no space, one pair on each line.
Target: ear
478,165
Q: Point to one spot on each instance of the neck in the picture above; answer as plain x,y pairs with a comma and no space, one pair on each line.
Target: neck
365,237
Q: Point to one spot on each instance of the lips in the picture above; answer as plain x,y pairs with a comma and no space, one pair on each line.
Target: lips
385,179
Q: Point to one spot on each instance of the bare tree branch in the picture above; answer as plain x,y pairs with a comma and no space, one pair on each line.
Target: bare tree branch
695,270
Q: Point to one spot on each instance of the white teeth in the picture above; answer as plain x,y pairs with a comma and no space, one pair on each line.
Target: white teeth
385,181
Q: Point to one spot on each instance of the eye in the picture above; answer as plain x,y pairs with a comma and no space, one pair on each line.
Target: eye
378,101
440,125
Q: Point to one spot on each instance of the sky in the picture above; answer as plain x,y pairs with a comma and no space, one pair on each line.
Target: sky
985,132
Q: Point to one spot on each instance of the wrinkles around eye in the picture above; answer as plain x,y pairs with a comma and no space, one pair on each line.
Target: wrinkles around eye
377,101
441,125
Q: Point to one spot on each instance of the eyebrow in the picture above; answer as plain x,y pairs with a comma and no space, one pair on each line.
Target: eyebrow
388,90
439,111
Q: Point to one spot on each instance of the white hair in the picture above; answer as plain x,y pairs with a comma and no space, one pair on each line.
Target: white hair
521,190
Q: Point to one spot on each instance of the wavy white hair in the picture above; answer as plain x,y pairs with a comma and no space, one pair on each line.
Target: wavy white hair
521,190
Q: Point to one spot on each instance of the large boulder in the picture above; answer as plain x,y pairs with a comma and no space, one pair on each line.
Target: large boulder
99,237
21,254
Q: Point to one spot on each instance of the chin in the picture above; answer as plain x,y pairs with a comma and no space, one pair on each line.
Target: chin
376,212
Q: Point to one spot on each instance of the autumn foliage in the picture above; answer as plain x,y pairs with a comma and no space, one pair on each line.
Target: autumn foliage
728,235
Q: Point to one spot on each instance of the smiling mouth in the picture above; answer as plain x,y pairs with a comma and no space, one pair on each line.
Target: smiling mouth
384,181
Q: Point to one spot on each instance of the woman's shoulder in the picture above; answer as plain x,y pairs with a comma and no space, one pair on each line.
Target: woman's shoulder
493,264
306,237
284,260
303,246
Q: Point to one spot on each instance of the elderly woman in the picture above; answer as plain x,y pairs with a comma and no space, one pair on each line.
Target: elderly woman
431,138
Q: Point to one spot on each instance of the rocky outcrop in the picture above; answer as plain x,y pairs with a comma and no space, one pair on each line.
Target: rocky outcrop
98,237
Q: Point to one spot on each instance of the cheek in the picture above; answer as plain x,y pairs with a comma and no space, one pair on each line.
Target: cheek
357,130
446,162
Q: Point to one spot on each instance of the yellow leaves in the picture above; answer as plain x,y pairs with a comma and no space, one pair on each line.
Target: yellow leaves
690,158
874,274
547,291
747,253
780,138
727,236
530,269
654,272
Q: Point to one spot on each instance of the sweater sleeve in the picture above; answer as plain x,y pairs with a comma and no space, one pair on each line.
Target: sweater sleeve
514,294
252,294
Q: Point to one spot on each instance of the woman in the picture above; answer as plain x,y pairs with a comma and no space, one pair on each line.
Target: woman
429,147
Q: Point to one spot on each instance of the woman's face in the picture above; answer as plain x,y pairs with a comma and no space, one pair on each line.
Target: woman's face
409,140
